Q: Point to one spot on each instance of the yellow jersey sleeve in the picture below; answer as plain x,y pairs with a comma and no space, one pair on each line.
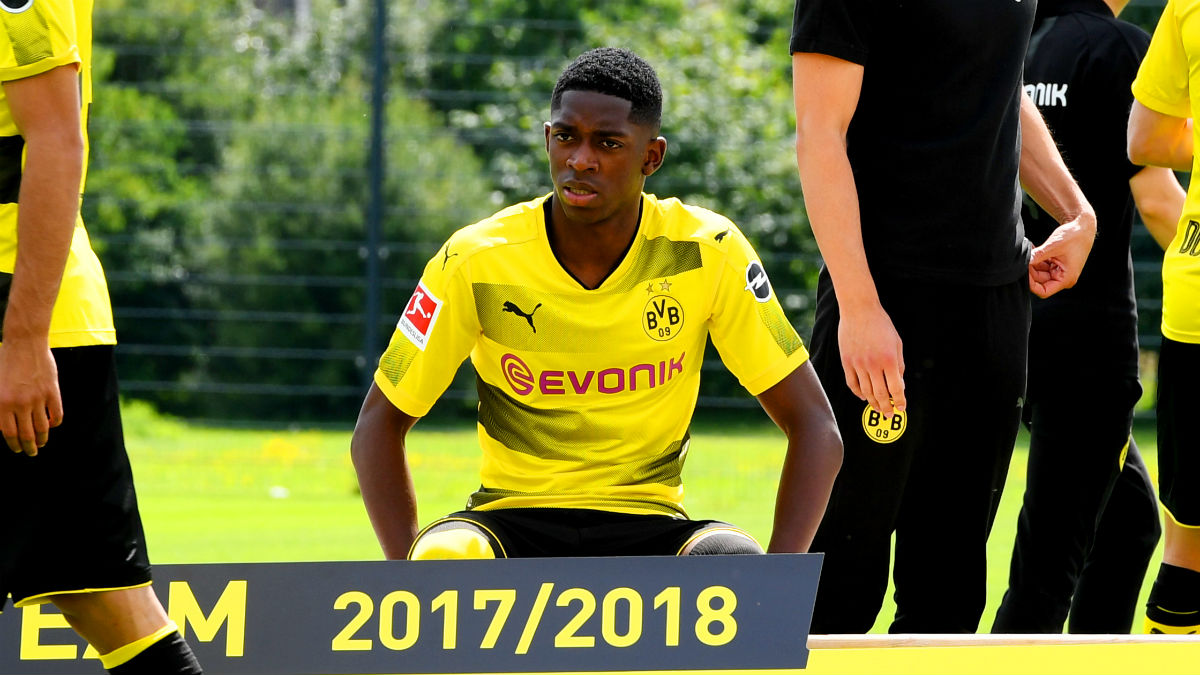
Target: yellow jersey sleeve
435,333
38,35
756,341
1162,82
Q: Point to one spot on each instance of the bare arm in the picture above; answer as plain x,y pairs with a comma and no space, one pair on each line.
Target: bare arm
378,451
1159,199
826,92
798,406
1156,139
45,108
1057,263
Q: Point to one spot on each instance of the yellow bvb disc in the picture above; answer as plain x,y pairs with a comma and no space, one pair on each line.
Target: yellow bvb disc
883,430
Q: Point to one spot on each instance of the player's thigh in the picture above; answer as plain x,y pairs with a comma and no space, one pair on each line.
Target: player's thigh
1178,447
1077,444
877,452
90,536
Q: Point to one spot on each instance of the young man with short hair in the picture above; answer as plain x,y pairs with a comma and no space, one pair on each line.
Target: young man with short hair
586,313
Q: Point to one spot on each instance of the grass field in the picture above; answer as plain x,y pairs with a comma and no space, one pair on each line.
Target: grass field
221,495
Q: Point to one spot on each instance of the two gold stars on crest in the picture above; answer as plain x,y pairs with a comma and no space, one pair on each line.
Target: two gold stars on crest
663,285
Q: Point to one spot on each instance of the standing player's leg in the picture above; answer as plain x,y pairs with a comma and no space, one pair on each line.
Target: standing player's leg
1106,594
971,405
1078,435
1174,604
86,551
856,533
131,631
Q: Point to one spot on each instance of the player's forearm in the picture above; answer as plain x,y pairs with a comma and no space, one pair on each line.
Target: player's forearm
831,201
799,407
377,450
1044,175
389,497
1157,139
48,206
1159,198
812,464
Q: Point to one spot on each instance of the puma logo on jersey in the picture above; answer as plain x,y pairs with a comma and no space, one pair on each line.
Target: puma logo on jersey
721,236
448,255
512,307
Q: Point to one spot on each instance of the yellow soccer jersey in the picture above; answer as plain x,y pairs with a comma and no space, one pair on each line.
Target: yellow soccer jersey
586,396
1169,83
37,36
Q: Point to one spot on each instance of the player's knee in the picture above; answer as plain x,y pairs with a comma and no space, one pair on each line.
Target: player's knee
721,541
456,541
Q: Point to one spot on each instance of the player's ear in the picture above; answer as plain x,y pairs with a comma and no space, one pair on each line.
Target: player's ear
546,126
656,151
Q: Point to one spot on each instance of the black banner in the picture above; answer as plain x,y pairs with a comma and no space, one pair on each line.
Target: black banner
474,616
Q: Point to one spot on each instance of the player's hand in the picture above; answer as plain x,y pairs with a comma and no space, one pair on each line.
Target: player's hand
873,359
1057,263
30,402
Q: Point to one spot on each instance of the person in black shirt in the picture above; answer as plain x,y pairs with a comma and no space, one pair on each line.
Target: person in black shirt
1087,527
912,135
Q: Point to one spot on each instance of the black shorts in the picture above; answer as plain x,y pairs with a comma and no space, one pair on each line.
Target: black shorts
70,520
1178,447
550,532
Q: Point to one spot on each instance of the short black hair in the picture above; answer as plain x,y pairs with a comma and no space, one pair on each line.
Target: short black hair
615,72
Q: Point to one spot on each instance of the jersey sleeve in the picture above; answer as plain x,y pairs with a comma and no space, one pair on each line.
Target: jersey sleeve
1112,67
38,36
756,341
838,28
1162,80
434,335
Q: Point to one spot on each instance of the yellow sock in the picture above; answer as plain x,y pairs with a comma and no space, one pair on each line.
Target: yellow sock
121,655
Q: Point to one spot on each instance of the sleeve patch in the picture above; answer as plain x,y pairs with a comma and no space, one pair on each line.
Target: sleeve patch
757,282
15,6
419,316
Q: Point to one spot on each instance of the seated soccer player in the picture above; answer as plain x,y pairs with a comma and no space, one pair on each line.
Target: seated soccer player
585,313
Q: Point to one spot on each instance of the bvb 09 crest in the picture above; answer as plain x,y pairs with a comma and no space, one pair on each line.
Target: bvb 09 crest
662,319
883,430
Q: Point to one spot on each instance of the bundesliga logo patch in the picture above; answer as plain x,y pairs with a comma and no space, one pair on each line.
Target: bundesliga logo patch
419,316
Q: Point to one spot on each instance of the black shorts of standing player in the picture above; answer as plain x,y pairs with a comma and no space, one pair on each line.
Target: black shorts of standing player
1089,519
934,480
1178,448
556,532
70,520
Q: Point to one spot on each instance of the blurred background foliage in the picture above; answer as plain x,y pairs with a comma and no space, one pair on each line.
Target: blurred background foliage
228,187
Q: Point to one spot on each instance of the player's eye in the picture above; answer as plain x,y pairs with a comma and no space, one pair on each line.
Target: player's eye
562,136
610,144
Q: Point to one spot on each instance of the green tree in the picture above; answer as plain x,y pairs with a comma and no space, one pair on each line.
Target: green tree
230,182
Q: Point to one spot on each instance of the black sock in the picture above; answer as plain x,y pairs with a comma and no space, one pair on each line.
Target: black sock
169,656
1174,604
